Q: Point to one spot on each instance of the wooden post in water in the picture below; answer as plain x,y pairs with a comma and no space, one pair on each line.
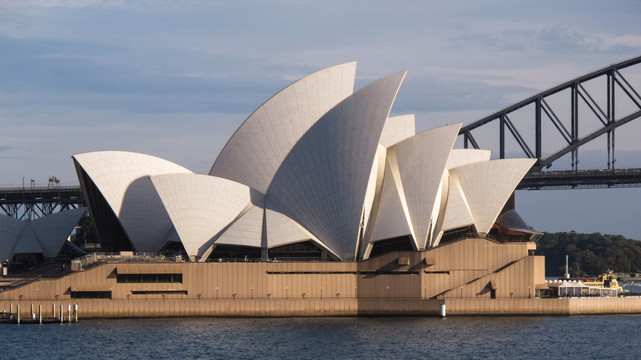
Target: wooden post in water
40,313
11,311
53,311
18,313
69,314
33,314
75,312
62,312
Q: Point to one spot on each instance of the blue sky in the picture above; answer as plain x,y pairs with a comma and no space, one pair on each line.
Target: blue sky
175,78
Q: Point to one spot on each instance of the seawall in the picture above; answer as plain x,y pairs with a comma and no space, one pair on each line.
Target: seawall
115,309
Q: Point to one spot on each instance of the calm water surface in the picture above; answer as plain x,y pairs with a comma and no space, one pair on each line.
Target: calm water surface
575,337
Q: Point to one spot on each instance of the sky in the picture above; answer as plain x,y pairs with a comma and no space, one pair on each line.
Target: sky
174,79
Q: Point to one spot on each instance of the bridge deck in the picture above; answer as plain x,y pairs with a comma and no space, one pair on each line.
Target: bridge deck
581,179
537,180
59,194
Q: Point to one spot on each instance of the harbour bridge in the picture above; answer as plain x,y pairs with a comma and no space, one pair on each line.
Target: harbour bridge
32,202
568,116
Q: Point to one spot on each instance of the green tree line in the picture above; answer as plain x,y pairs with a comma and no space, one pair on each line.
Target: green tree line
589,254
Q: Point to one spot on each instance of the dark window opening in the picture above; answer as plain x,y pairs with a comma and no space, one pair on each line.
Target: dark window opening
158,292
300,251
150,278
401,243
91,294
172,249
234,253
25,263
503,234
457,234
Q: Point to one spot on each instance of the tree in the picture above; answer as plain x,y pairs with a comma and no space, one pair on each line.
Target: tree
590,254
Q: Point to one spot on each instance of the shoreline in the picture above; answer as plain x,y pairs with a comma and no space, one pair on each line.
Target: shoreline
246,308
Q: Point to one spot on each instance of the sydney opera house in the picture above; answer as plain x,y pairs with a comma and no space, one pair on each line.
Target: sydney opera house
317,165
321,203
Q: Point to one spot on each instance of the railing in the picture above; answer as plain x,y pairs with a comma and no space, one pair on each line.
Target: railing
21,189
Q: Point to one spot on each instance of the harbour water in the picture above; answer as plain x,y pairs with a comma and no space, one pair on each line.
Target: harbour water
573,337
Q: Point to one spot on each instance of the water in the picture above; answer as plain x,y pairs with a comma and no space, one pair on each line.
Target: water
585,337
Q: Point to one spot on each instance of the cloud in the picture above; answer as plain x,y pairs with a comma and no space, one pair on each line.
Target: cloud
10,5
617,43
32,5
453,92
50,72
546,39
4,148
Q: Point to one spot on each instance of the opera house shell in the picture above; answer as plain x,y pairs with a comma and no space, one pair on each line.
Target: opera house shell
45,236
317,164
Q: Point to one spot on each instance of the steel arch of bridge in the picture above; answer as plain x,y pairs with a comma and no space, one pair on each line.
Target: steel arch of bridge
543,111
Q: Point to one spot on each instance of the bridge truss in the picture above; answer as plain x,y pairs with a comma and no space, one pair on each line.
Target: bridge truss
605,97
29,203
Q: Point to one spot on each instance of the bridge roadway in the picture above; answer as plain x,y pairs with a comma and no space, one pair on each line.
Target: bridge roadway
581,179
27,202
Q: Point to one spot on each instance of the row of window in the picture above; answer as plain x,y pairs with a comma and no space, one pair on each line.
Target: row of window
150,278
107,293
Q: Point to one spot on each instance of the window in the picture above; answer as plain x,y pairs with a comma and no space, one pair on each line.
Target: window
150,278
158,292
91,294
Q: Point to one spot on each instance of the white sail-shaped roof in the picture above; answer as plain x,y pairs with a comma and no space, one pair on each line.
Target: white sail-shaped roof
457,212
439,211
201,207
53,230
282,230
246,230
397,129
44,235
113,172
122,178
10,230
27,242
460,157
322,182
372,193
417,165
263,141
279,230
390,220
487,186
